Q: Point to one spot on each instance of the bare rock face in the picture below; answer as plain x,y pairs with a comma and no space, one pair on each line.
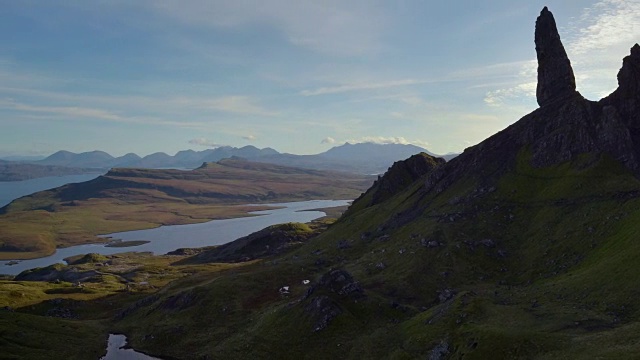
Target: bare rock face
400,175
555,75
564,127
629,75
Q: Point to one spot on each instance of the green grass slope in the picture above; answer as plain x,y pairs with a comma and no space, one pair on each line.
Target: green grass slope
540,266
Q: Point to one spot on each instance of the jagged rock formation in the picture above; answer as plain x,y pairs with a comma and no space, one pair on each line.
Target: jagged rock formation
565,126
556,81
269,241
400,175
629,76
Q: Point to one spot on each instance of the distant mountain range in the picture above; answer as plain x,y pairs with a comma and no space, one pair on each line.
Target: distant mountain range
363,158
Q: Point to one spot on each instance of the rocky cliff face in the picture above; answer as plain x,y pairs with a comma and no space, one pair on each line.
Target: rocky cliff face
565,126
400,175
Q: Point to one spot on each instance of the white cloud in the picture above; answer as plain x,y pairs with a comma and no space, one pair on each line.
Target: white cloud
607,23
328,140
249,137
524,89
388,140
204,142
598,40
498,97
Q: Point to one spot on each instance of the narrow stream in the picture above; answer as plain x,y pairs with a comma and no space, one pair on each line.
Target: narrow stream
116,350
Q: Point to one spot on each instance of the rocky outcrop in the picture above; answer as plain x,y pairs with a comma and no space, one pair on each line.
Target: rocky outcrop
564,127
57,272
556,81
400,175
629,76
338,284
272,240
322,310
342,283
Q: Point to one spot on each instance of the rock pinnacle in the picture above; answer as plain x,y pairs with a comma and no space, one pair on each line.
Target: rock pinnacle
629,75
555,75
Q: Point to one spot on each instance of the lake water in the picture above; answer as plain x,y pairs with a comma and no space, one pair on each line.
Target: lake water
11,190
168,238
116,350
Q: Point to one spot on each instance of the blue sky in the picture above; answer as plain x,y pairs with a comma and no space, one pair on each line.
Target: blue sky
298,76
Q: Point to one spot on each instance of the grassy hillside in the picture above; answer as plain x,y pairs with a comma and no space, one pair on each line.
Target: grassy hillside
538,267
128,199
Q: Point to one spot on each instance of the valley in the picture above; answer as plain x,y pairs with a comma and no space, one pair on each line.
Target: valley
133,199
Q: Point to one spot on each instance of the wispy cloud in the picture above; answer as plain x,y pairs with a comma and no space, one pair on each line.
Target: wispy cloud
243,105
235,104
388,140
495,71
332,27
360,86
250,137
607,23
498,97
204,142
85,113
598,40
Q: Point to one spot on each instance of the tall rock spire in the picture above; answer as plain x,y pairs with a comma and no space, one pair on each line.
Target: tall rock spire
629,75
555,76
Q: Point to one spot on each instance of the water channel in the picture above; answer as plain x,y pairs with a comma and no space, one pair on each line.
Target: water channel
168,238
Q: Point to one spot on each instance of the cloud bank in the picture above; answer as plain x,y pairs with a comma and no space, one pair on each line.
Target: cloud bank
388,140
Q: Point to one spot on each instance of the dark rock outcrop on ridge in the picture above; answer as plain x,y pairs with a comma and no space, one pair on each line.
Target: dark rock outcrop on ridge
272,240
556,81
565,126
400,175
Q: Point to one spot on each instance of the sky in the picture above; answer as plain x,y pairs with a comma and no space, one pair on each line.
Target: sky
298,76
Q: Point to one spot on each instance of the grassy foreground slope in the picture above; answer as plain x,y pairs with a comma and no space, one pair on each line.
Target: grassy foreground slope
128,199
542,266
523,247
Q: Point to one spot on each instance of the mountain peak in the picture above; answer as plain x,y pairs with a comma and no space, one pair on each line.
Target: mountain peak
629,75
555,75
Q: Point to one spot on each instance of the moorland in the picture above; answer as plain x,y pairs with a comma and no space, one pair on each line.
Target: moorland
133,199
